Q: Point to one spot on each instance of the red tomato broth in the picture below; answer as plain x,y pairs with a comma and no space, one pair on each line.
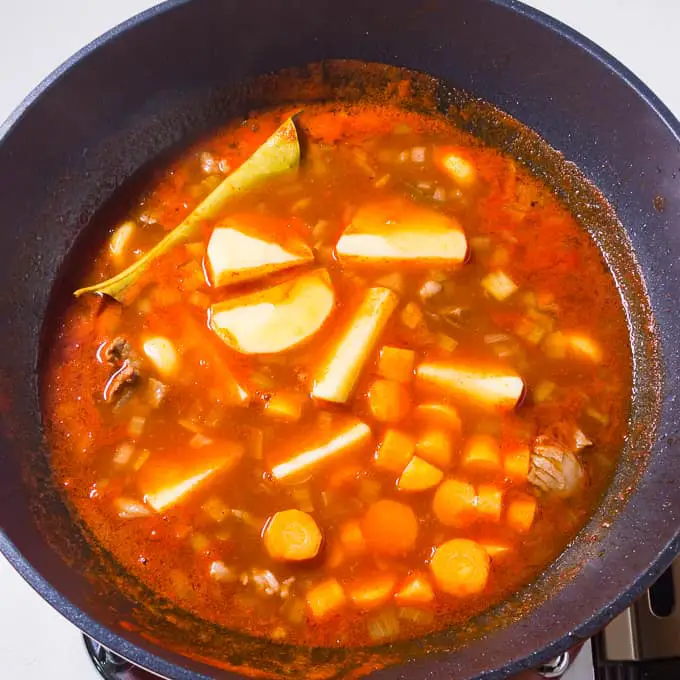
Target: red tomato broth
511,222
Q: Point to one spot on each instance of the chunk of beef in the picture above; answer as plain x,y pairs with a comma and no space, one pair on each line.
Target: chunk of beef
555,468
126,367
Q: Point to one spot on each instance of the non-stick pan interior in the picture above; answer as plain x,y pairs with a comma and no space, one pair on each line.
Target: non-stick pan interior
128,101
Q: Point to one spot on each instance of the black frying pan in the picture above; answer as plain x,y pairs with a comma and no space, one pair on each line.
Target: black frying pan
169,75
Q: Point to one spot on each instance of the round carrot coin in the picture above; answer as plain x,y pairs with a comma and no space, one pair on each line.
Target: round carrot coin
292,535
390,528
460,567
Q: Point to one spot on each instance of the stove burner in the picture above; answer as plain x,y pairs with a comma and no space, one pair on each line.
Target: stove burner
112,666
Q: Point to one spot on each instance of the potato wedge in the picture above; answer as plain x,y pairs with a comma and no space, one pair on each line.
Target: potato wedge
342,441
397,231
167,479
248,247
337,377
275,318
484,386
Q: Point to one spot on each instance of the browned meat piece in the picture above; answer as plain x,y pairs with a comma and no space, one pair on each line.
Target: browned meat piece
126,364
554,468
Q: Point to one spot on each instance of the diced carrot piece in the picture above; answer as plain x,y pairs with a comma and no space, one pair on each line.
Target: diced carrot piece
337,376
292,536
326,598
495,550
166,481
394,451
435,447
335,555
352,538
372,591
482,452
521,513
415,590
389,401
442,415
490,502
516,463
348,439
483,385
419,475
396,363
460,567
454,503
411,316
390,528
286,406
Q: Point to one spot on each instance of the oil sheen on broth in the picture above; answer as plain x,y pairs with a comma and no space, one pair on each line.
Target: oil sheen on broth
365,399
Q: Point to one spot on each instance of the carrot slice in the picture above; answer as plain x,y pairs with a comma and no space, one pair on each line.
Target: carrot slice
440,415
416,589
521,513
292,536
352,538
372,591
419,475
454,503
396,363
435,447
394,451
388,400
390,528
516,463
490,502
326,598
460,567
482,452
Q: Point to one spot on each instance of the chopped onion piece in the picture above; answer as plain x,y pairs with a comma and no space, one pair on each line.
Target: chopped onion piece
162,354
128,508
199,542
216,509
439,194
383,627
430,289
219,571
543,391
420,617
199,440
120,238
418,154
265,582
123,453
601,418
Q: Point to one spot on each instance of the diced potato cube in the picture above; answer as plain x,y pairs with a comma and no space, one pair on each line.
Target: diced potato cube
285,406
583,346
398,231
419,475
455,165
166,480
352,538
415,590
394,451
248,247
372,591
411,316
396,363
326,598
516,463
485,386
435,446
162,354
341,442
336,378
277,318
499,285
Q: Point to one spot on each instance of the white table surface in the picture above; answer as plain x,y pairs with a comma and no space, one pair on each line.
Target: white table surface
37,35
